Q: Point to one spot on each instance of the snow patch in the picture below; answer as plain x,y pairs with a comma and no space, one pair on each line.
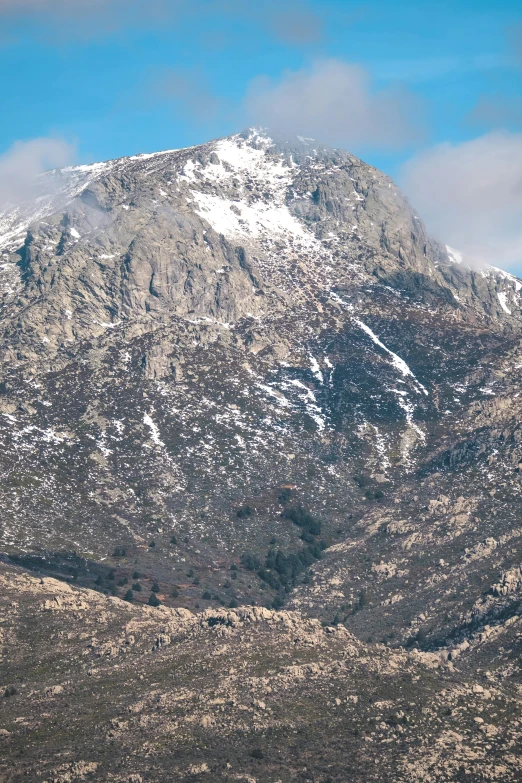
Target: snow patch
455,256
502,298
154,431
397,362
316,370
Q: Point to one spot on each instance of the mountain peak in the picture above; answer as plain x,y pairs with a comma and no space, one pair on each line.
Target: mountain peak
242,373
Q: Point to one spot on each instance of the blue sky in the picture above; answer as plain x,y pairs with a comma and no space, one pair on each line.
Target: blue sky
117,77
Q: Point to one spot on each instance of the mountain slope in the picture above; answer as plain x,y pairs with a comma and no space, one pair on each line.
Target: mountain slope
245,372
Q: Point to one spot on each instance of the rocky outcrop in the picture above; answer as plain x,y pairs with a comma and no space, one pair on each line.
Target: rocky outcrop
247,692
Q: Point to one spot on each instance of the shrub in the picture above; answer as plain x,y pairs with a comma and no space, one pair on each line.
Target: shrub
155,588
119,552
270,578
257,753
136,575
206,596
173,540
284,496
111,575
244,511
233,604
10,691
302,518
129,596
250,562
136,587
175,593
152,544
154,600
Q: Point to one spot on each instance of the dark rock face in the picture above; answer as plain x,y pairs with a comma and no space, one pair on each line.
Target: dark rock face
246,373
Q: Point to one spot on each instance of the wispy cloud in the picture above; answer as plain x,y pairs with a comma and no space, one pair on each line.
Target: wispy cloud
190,91
297,25
21,165
292,21
497,111
428,69
470,195
336,102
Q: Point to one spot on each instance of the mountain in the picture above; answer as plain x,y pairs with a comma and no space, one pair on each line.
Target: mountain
243,374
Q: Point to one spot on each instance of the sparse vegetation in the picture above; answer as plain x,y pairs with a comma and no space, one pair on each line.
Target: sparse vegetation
310,525
250,562
285,496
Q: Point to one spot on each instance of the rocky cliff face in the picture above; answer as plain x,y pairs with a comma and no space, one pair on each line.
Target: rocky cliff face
244,372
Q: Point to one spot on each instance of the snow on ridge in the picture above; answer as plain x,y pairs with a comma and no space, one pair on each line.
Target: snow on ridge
239,156
101,166
507,276
455,255
243,215
502,298
251,220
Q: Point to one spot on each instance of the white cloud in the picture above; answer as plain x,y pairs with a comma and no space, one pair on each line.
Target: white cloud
334,102
25,161
470,195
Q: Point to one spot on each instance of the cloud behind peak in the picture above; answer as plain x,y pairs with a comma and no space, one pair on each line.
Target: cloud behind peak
336,103
470,195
